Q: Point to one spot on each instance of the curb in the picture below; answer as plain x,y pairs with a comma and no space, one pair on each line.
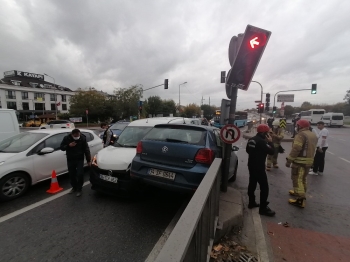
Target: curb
248,136
230,212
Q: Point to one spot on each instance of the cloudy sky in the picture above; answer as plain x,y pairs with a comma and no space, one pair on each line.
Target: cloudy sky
110,44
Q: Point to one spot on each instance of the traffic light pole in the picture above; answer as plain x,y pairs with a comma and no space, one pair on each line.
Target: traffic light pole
274,98
228,147
261,99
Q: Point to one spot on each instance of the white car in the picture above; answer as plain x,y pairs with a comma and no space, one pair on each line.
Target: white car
30,157
57,124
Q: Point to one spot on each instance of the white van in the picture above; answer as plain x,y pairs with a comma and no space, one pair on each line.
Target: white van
333,119
8,123
312,115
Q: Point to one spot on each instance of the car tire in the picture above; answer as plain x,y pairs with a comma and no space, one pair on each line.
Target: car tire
18,181
233,178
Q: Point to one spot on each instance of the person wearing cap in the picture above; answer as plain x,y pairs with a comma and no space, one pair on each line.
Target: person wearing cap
277,134
258,147
300,159
322,145
76,148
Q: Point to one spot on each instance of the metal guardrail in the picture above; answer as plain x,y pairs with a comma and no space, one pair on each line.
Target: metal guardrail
192,238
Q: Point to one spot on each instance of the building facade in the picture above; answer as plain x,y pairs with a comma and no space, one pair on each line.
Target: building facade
30,95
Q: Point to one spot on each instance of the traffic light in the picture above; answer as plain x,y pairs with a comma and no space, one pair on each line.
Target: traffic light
250,51
313,89
140,109
267,104
223,76
274,109
165,83
261,108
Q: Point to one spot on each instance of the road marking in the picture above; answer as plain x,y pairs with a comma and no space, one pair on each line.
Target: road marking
260,241
37,204
344,159
330,152
161,241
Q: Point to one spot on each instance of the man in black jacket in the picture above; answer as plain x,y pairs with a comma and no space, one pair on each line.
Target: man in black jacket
258,147
76,147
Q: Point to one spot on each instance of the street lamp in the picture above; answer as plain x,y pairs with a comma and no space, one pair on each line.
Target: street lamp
179,93
54,85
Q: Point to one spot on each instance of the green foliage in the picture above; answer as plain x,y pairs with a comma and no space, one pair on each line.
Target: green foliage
155,105
169,107
208,111
127,101
192,110
288,110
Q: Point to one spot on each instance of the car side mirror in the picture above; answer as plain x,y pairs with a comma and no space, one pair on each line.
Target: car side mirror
46,150
235,148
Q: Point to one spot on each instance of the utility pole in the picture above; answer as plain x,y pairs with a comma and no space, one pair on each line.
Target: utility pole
209,100
202,100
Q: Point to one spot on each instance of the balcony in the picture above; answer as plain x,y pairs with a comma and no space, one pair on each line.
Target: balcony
11,97
25,98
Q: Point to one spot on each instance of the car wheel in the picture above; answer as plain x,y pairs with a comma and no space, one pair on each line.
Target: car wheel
233,178
13,186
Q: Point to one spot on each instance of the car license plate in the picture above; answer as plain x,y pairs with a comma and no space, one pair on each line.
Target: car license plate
109,178
162,173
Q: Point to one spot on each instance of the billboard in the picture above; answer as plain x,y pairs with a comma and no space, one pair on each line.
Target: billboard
23,74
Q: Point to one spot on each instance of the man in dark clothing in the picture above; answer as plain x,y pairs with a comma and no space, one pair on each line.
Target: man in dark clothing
258,147
270,121
295,120
107,135
76,147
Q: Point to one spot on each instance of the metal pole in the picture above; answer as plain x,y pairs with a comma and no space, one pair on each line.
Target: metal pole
261,96
274,97
179,95
54,91
228,147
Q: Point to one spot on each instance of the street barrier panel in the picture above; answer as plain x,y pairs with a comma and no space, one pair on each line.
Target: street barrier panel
193,236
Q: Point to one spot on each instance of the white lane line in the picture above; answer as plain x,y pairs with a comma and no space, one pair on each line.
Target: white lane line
330,152
37,204
161,241
344,159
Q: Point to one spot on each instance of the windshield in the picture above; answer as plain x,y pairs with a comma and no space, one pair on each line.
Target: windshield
337,117
20,142
119,126
131,136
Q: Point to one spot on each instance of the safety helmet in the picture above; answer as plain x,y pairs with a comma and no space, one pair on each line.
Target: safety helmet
303,123
276,123
263,128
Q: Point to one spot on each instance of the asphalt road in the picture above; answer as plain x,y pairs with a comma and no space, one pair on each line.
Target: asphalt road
93,227
327,207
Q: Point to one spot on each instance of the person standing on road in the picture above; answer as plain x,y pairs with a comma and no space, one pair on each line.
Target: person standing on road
300,159
76,147
107,135
295,120
258,147
322,145
270,121
277,134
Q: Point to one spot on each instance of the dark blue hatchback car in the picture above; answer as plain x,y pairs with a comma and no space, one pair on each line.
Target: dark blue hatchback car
177,157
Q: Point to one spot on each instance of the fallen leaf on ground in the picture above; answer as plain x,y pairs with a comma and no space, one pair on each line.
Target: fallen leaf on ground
270,233
213,255
218,247
286,224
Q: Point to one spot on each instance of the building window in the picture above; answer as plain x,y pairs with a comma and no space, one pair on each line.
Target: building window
52,97
34,85
39,106
11,94
39,96
25,106
53,108
16,83
64,98
64,107
25,95
12,105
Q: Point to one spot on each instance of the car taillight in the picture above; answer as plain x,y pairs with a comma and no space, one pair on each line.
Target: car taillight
204,155
94,161
68,125
139,148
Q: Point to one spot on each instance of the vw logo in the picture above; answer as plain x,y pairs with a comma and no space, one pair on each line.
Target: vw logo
164,149
110,172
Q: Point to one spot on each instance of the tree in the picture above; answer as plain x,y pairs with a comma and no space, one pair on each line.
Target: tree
192,110
90,100
288,110
347,97
169,107
208,111
154,105
306,106
127,101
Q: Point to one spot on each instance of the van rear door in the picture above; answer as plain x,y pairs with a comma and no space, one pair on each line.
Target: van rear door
8,124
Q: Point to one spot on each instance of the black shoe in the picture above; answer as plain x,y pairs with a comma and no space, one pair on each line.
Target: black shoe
78,193
71,191
253,204
267,212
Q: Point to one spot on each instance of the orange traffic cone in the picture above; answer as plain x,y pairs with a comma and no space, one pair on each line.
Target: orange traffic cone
54,188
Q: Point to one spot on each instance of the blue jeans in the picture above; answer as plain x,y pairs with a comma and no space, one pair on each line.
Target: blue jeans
76,173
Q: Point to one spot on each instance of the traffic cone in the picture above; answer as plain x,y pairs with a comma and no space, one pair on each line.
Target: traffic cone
54,188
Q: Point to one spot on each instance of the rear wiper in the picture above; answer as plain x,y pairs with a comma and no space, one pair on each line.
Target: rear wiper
176,140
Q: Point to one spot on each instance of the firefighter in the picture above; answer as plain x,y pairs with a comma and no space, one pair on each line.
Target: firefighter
257,148
301,159
277,134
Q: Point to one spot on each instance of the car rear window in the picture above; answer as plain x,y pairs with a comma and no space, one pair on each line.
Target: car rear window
337,117
177,135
